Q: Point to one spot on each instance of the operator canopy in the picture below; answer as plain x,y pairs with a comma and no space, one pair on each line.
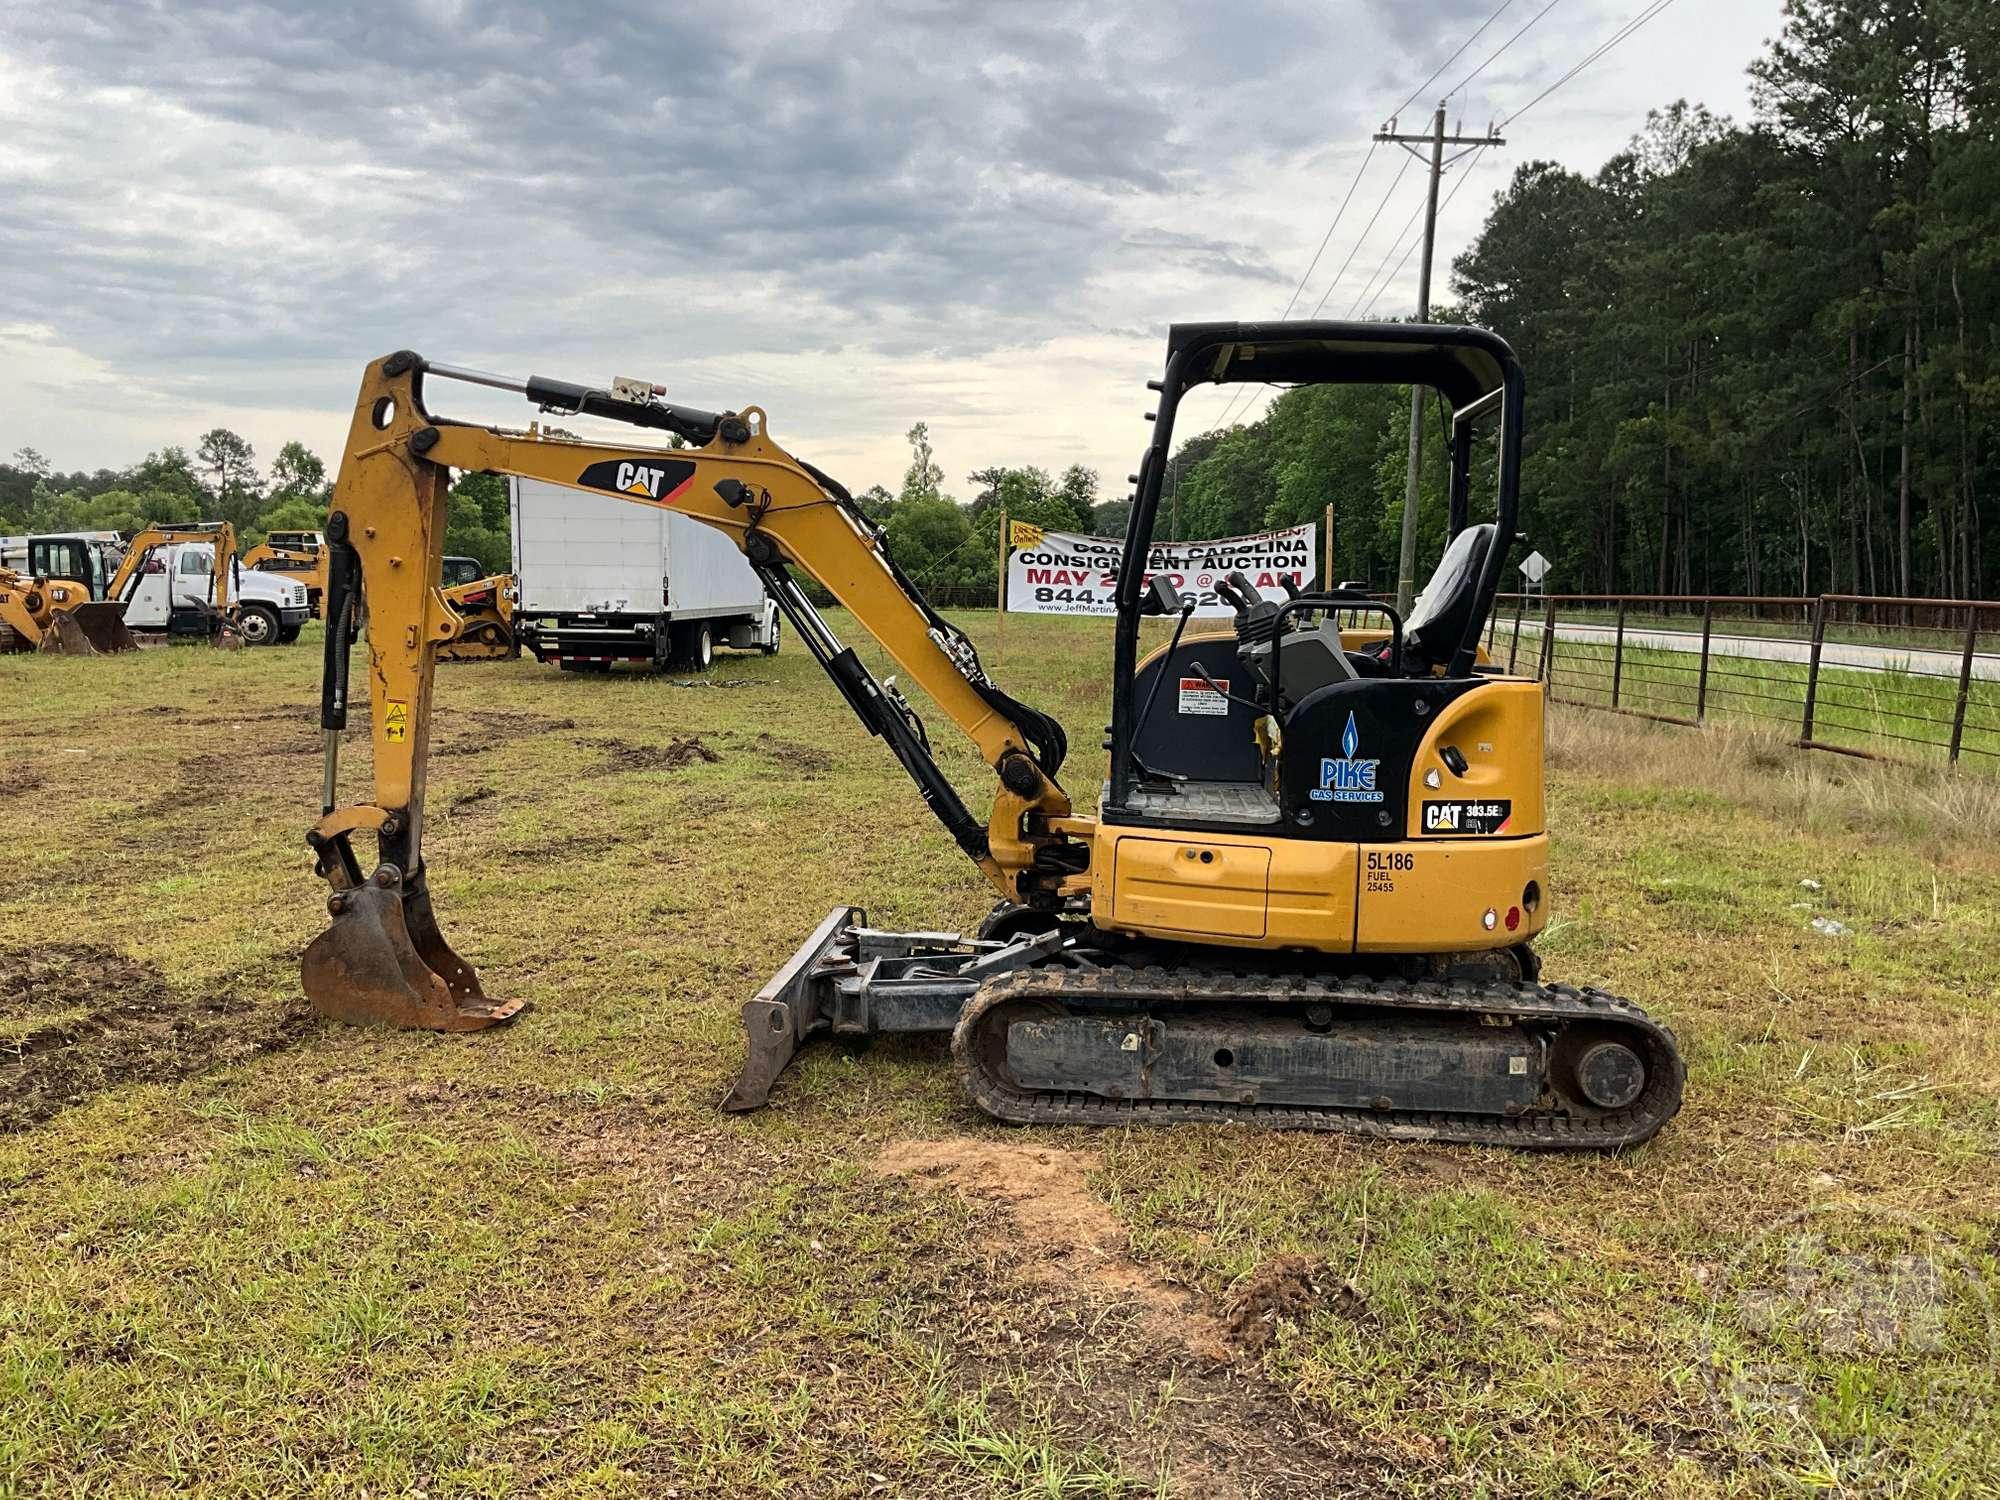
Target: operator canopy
1464,364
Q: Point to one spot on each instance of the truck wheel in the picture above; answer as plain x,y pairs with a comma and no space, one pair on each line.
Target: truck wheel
697,646
777,624
258,625
289,634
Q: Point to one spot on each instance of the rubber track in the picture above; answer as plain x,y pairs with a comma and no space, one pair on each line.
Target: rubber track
1135,990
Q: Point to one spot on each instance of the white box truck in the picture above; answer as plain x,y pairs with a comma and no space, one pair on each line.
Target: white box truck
602,580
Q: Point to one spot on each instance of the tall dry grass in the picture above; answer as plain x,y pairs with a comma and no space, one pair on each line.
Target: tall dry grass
1940,806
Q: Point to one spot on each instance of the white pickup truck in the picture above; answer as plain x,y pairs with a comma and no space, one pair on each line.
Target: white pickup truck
173,588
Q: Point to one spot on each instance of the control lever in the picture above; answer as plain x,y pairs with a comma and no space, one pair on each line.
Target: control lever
1161,596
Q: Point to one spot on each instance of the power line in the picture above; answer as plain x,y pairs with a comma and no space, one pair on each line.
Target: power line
1407,224
1639,19
1476,165
1230,410
1450,60
1335,224
1505,45
1366,231
1249,393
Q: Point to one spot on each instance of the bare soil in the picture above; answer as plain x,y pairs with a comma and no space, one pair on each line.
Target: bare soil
19,780
76,1019
1156,1379
623,755
474,731
808,762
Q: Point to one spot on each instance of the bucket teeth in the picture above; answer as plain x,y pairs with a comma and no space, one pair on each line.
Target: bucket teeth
383,962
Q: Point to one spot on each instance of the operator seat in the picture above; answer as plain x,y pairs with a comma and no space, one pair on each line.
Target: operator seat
1443,611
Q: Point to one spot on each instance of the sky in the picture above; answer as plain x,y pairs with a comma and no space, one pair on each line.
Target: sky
856,216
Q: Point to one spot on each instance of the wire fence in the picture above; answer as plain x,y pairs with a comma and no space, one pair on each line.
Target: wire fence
1880,678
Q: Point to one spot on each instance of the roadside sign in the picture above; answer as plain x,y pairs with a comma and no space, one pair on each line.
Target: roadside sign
1534,567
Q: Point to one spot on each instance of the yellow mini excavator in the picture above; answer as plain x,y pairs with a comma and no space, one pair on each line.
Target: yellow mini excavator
296,554
1318,862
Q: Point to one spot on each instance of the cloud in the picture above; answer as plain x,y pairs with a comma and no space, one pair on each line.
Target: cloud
233,204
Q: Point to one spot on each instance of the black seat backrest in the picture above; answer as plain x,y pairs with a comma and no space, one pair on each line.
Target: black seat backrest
1443,611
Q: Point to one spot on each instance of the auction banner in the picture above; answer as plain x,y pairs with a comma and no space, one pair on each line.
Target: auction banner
1061,573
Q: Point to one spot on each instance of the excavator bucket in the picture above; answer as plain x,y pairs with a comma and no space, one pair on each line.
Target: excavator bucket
383,962
89,630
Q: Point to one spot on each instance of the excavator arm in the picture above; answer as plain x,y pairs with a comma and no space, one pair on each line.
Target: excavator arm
383,959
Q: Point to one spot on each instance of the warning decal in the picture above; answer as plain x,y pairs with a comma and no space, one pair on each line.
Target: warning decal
395,721
1198,697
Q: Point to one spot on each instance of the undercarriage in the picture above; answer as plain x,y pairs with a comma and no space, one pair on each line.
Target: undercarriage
1070,1026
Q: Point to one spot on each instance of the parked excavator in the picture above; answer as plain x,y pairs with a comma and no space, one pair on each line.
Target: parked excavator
1319,916
296,554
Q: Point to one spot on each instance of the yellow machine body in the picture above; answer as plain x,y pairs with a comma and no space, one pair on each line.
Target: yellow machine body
306,564
1328,927
485,608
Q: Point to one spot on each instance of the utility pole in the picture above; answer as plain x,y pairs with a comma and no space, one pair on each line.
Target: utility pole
1437,140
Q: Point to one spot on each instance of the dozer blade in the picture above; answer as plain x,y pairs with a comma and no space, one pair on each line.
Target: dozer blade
792,1006
383,962
89,630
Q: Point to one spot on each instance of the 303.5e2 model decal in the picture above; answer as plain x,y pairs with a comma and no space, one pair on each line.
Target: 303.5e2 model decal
646,479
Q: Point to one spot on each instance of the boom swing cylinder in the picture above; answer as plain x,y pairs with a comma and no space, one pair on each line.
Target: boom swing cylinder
1314,912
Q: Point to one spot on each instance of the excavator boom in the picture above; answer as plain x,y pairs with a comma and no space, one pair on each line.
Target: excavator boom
383,959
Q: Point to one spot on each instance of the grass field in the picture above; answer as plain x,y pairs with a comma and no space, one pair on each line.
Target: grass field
248,1253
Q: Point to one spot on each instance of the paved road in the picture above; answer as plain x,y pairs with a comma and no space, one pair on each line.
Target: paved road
1985,665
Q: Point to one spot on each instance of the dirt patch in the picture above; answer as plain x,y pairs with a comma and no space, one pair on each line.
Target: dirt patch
805,761
1062,1230
472,798
1129,1361
714,682
19,780
76,1019
623,755
1286,1289
576,847
206,779
473,731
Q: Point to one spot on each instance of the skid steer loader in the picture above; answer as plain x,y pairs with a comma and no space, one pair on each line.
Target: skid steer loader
1312,912
485,610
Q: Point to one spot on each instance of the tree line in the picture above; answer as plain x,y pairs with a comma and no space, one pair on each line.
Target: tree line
222,481
1761,358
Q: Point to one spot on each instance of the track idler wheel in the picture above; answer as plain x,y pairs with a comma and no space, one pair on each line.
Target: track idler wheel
384,962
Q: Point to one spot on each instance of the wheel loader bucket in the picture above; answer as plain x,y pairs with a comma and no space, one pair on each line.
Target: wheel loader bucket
383,962
89,630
